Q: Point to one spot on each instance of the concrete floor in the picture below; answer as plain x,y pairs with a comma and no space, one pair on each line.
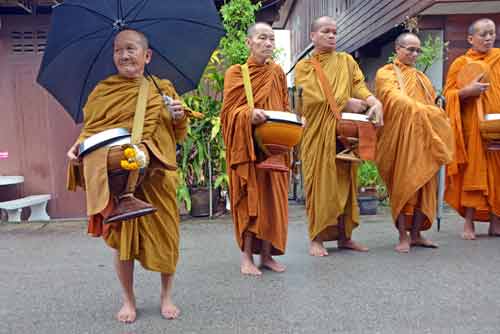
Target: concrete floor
55,279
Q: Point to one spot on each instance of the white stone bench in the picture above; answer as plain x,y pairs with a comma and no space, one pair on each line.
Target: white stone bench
37,203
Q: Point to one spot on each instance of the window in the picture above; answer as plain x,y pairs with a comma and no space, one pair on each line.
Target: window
28,42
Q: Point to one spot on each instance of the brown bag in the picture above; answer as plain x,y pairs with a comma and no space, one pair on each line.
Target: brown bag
347,129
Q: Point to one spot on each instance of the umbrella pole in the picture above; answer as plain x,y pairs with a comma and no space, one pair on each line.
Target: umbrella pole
441,103
210,198
154,81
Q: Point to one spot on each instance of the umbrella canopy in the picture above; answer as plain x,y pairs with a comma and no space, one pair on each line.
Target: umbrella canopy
182,34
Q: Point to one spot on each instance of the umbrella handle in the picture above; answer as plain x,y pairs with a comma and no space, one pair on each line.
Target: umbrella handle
167,99
154,82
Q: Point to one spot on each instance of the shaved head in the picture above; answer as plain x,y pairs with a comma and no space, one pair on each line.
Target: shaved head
318,22
141,38
404,37
254,27
474,27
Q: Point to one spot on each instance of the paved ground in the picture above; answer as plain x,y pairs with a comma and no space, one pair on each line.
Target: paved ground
55,279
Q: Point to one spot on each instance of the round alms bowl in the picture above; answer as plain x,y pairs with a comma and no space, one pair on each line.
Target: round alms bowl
280,129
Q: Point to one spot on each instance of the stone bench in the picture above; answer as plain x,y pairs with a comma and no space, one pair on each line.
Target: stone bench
37,203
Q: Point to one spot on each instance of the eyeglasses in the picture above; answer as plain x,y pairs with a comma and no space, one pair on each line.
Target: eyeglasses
412,49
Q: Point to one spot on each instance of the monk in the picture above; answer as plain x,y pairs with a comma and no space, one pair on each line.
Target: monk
151,239
415,141
330,184
259,197
473,177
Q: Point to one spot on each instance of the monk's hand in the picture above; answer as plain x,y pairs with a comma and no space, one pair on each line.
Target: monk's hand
475,88
356,106
73,152
258,116
176,110
375,113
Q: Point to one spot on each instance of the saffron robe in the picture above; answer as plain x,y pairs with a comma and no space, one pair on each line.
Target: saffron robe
414,142
473,177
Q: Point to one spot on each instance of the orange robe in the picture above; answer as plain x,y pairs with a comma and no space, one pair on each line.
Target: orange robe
414,142
473,178
259,198
151,239
330,184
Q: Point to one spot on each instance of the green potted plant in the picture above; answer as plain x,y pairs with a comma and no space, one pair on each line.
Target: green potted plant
202,165
369,185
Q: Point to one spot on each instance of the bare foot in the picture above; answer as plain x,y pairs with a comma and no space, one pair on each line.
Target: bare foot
351,245
248,267
494,229
273,265
317,249
468,233
403,246
168,309
127,313
421,242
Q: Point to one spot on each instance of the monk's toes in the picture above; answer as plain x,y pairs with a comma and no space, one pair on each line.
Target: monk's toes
402,248
250,270
318,252
126,317
171,313
468,236
274,266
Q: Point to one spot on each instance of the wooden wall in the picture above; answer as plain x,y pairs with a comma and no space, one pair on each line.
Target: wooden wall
358,21
34,129
361,21
455,31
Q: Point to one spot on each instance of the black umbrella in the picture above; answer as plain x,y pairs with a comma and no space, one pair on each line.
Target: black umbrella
79,53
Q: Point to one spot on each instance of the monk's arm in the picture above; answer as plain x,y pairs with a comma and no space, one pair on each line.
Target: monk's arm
180,126
475,88
388,91
359,88
286,103
361,91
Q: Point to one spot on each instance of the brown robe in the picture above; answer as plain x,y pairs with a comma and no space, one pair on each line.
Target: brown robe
152,239
330,184
259,198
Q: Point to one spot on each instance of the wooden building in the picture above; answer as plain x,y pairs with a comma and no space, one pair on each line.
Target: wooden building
367,28
34,128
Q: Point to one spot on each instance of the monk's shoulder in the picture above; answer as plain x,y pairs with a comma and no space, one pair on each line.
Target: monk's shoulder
458,63
278,70
233,70
384,70
102,88
346,58
303,66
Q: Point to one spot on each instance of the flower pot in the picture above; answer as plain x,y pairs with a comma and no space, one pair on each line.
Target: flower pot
200,201
367,204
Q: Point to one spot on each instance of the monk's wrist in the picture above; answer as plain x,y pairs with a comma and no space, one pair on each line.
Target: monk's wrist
180,120
464,93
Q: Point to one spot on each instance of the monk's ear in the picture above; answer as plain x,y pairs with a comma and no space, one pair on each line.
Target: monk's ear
312,35
247,42
469,39
149,54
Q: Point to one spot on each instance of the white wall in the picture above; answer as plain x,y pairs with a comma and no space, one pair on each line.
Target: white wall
283,42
